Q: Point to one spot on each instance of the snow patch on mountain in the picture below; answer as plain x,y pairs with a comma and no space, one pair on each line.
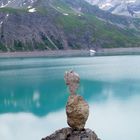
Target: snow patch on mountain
65,14
4,5
130,1
29,7
106,5
1,22
32,10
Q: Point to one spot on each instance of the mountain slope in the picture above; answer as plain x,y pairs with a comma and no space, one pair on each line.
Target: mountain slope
17,3
64,24
119,7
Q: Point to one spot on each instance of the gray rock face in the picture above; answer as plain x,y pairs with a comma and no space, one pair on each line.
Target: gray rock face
71,134
77,111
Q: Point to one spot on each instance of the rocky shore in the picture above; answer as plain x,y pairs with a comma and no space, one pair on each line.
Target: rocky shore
55,53
68,53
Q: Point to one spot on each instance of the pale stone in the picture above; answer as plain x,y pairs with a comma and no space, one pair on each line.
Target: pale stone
77,111
72,79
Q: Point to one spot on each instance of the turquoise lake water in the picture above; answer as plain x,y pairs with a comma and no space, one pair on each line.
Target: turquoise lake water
33,96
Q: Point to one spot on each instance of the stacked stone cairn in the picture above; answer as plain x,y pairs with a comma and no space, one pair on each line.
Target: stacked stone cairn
77,111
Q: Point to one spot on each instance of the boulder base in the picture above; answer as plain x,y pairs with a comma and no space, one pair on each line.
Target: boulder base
70,134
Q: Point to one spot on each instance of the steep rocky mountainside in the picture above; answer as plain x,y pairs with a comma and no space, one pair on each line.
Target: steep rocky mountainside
119,7
63,24
16,3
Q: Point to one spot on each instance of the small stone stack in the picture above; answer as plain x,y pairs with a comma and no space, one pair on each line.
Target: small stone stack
77,109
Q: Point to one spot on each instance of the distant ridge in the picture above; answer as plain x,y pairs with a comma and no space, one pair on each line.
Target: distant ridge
63,25
119,7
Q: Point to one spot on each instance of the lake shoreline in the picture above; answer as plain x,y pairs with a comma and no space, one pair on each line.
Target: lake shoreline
69,53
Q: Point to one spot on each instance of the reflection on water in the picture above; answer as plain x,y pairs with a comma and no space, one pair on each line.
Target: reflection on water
110,119
116,119
33,96
27,126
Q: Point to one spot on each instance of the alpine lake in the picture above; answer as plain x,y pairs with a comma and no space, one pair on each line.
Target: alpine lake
33,96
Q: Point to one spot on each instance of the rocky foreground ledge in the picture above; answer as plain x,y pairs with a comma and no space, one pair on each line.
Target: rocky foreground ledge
71,134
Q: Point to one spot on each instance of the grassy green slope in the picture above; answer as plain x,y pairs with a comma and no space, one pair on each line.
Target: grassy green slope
104,34
79,27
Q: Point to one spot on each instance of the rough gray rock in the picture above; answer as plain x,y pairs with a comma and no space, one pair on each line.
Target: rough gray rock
71,134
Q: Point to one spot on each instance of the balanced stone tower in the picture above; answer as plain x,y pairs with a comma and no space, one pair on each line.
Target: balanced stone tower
77,111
